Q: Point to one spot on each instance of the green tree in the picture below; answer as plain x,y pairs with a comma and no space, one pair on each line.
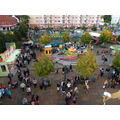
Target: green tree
116,62
36,29
10,37
25,18
45,39
106,36
86,64
2,42
94,28
86,38
79,27
49,28
107,18
44,66
23,28
84,28
72,27
18,35
118,38
66,37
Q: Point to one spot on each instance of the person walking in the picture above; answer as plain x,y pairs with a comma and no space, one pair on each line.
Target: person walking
34,82
71,68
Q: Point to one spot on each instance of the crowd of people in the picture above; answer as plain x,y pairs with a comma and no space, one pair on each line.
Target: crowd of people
111,75
69,87
26,80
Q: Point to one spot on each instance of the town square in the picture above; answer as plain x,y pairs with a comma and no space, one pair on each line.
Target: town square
59,60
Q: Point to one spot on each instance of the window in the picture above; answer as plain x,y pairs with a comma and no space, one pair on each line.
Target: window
3,68
37,21
37,17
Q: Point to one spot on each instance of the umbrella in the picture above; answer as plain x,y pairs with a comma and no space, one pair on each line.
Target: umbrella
1,92
107,94
22,85
8,92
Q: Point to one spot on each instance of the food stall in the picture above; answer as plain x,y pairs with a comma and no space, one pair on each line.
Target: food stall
7,61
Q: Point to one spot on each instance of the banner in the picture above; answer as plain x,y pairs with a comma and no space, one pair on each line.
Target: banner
4,56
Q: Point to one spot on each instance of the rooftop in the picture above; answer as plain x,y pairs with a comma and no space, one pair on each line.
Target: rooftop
6,20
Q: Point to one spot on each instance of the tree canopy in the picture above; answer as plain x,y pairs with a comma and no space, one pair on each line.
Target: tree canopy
66,37
86,64
25,18
2,42
116,62
45,39
23,28
44,66
106,36
72,27
94,28
118,38
86,38
84,28
107,18
36,29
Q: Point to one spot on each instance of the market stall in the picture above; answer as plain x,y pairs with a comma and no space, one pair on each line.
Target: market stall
7,61
48,50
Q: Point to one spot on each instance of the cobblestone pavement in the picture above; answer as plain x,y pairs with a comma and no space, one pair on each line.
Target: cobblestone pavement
52,97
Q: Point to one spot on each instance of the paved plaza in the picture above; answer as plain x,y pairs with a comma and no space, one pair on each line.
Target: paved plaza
50,96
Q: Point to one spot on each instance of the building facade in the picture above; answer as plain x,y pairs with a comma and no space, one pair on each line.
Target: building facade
44,21
8,22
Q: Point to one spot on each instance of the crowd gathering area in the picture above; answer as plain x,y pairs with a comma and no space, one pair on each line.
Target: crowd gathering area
64,86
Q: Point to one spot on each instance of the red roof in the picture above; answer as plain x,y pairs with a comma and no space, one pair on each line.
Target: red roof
7,20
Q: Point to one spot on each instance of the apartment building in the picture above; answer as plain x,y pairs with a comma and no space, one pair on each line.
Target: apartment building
44,21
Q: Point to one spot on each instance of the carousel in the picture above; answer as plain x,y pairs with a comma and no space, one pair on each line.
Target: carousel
72,52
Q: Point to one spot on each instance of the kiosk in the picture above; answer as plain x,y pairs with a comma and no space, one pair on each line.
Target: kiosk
7,61
48,50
